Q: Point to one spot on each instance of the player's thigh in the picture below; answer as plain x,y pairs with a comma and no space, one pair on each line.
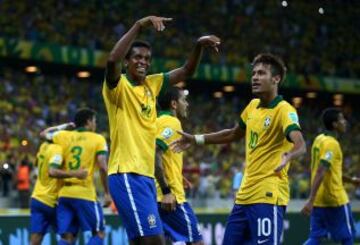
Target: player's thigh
265,223
66,216
237,227
135,198
90,215
181,225
339,222
42,217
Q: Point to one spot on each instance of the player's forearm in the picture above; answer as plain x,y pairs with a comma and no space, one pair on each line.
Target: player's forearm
159,172
122,46
47,133
221,137
104,180
193,61
316,183
297,151
60,174
353,180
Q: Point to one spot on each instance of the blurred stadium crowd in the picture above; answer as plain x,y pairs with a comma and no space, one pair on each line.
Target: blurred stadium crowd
309,42
30,102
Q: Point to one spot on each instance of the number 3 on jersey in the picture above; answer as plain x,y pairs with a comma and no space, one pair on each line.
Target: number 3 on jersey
76,160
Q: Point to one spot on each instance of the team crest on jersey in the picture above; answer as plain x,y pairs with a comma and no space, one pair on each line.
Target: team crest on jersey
294,117
151,220
267,122
167,133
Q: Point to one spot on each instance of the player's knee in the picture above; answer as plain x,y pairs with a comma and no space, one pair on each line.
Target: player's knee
36,239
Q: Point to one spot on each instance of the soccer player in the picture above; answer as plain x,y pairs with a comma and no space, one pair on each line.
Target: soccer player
45,193
178,219
83,149
130,101
267,123
328,203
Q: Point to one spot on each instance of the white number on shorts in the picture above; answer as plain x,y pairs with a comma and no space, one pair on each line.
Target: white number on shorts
264,227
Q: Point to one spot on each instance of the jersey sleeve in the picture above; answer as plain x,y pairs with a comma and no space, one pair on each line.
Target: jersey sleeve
158,83
56,156
290,121
101,148
114,95
328,153
244,116
167,133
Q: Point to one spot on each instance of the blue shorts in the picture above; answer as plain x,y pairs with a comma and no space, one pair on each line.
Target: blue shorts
72,213
336,221
181,225
42,217
135,199
254,224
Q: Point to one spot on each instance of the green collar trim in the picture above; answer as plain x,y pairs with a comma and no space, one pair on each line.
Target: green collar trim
330,133
272,103
81,129
169,113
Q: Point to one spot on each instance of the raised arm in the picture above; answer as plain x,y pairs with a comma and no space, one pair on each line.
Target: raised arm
221,137
189,68
119,51
102,163
48,132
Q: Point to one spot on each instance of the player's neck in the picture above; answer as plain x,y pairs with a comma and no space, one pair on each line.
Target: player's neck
265,99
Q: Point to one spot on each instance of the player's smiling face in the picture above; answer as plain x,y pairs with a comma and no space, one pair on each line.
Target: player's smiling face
262,80
138,63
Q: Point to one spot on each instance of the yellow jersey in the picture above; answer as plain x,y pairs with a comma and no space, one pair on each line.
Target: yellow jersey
132,115
284,189
81,148
46,188
326,151
167,127
266,129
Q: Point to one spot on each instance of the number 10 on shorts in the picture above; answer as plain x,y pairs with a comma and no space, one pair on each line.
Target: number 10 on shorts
263,227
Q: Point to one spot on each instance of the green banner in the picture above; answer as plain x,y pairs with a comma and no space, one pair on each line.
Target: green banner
50,52
14,229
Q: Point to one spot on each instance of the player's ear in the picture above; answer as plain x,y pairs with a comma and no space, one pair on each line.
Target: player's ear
276,79
173,104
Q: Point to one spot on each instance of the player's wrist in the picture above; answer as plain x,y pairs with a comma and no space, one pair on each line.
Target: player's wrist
165,190
199,139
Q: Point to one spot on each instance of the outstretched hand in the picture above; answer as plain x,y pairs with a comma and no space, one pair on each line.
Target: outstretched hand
284,161
183,143
210,41
157,21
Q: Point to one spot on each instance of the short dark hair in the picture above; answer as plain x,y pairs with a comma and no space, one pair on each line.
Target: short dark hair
329,116
277,64
136,44
82,115
172,93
